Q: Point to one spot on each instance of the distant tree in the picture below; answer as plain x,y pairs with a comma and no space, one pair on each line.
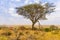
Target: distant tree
53,27
47,30
35,12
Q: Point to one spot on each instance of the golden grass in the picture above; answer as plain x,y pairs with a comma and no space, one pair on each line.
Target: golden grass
32,34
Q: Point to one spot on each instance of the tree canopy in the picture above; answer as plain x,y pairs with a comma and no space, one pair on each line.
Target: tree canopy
35,11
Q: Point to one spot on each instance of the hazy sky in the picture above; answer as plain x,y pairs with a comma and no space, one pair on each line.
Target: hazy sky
8,13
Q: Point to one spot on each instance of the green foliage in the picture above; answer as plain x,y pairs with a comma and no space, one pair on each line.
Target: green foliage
52,28
47,30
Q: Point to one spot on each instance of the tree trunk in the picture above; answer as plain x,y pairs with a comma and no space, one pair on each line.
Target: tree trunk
39,25
33,26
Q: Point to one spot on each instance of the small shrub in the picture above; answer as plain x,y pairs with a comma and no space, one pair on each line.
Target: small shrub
47,30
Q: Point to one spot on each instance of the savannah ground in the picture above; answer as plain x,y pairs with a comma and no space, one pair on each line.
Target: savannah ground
17,32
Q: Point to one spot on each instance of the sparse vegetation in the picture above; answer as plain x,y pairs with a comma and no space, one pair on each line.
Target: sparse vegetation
18,34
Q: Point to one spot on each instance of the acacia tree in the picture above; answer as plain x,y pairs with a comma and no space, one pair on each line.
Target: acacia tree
35,12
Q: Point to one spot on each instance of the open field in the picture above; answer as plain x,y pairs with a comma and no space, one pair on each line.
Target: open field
26,33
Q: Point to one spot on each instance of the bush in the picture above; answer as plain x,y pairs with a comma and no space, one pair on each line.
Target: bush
47,30
53,27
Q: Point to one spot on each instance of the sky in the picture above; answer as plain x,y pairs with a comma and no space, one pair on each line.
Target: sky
9,16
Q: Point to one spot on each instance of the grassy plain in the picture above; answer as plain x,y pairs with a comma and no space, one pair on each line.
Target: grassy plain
24,32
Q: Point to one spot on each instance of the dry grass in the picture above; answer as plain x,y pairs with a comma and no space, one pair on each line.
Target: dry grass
28,34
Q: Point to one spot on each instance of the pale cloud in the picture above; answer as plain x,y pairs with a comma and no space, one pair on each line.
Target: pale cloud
54,17
16,0
36,1
4,9
30,1
1,2
26,2
55,14
12,12
12,5
57,6
20,20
